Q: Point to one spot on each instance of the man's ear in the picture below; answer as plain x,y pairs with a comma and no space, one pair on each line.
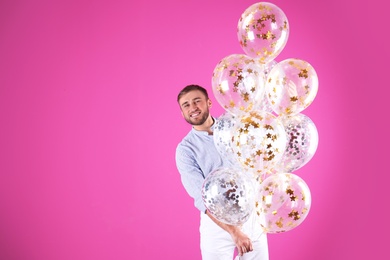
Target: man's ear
209,103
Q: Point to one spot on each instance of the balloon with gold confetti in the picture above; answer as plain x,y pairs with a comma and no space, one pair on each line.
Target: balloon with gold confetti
259,141
238,83
269,66
291,86
263,103
263,31
229,195
302,142
283,202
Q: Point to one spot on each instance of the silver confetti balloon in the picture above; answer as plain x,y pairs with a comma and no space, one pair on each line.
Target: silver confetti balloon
229,195
302,142
223,132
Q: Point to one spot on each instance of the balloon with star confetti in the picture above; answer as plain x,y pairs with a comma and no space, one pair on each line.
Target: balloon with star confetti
238,83
291,86
302,142
269,66
229,195
259,141
283,202
263,103
263,31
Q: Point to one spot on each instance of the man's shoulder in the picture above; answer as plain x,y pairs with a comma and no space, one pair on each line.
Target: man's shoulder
187,139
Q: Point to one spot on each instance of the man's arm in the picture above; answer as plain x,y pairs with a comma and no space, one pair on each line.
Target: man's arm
242,241
192,179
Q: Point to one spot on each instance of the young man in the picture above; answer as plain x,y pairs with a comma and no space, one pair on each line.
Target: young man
196,157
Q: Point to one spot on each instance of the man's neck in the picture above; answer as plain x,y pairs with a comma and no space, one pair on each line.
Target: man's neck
206,126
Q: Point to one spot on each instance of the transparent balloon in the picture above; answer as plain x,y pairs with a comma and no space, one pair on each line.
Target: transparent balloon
229,195
259,141
302,142
263,104
269,66
283,202
223,132
263,31
238,83
291,86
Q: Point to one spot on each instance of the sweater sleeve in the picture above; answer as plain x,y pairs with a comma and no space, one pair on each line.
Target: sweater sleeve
191,175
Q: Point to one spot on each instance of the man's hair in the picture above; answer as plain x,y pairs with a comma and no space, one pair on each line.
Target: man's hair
190,88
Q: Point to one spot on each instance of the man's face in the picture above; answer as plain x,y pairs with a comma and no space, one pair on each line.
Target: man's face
194,107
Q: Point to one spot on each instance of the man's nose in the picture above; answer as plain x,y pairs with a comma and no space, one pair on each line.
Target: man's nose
193,106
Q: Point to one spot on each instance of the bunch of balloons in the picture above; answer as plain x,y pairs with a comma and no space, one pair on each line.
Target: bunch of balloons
262,132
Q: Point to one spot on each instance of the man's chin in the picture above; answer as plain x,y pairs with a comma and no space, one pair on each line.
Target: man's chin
195,122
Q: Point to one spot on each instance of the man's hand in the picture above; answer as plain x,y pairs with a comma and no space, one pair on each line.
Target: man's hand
242,241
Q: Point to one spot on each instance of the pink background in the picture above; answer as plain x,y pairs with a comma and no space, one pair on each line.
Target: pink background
89,126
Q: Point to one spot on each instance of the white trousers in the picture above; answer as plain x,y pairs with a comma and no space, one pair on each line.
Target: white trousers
217,244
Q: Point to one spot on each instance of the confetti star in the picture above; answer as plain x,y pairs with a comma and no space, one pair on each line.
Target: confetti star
270,35
246,97
289,191
220,90
294,214
294,99
279,223
273,18
303,73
